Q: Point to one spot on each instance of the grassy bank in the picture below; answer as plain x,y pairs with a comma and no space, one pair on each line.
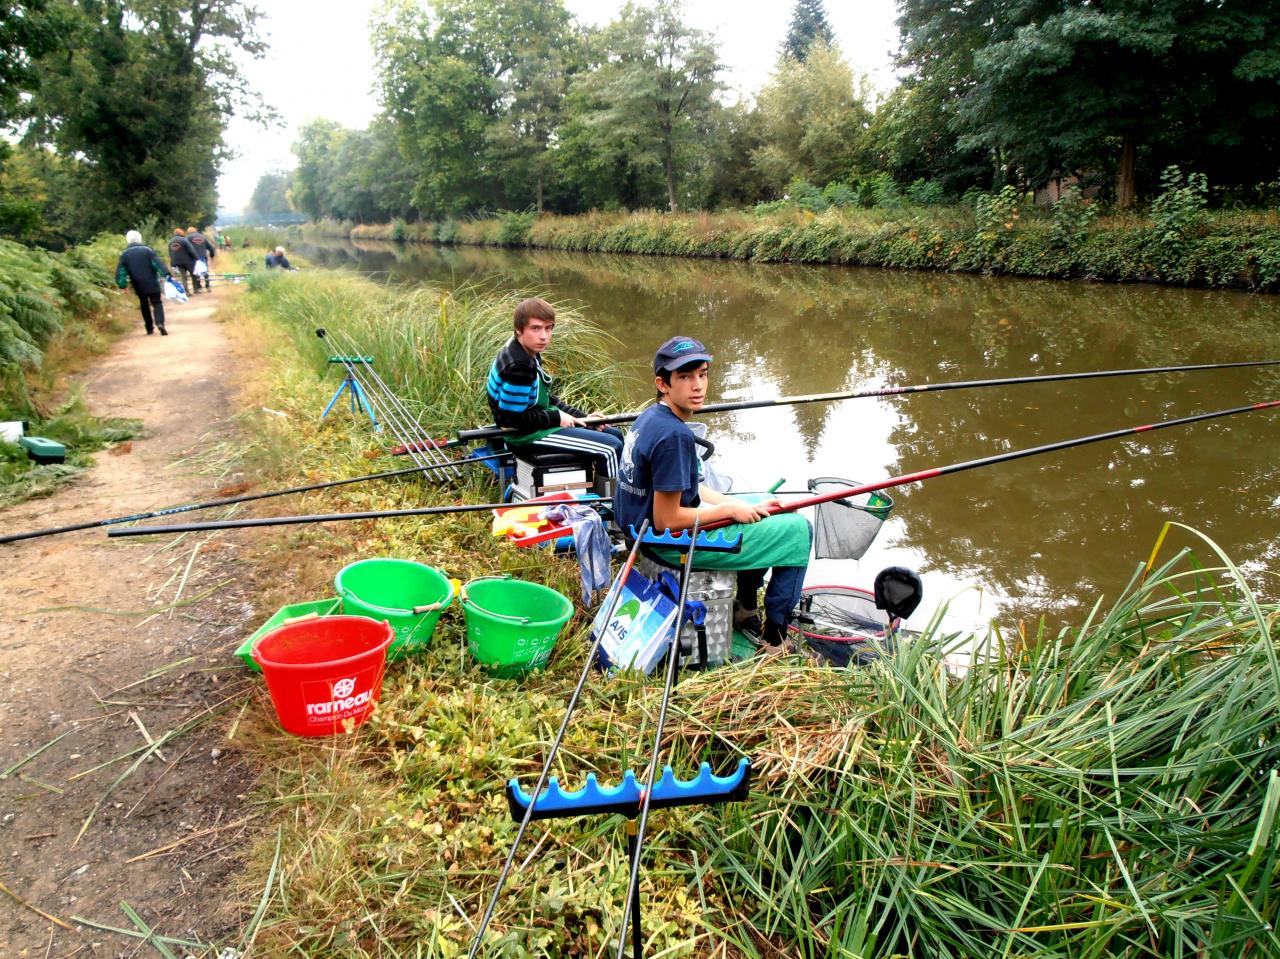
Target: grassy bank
1108,790
56,314
1187,247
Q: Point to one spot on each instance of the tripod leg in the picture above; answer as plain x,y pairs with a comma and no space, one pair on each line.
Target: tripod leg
334,399
358,391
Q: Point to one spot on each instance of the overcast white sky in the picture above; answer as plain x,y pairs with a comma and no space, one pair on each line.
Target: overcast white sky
320,64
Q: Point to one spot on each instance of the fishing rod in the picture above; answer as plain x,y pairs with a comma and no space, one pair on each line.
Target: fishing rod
717,524
922,475
484,433
398,418
614,599
631,902
337,517
232,500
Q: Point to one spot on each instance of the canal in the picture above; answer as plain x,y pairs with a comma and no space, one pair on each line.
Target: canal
1045,536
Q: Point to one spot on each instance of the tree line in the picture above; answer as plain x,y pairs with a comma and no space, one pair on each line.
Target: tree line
116,111
510,104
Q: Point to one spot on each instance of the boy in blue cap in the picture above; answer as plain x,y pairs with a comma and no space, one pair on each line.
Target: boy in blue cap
658,479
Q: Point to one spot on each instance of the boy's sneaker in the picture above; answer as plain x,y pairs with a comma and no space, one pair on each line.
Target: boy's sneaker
773,634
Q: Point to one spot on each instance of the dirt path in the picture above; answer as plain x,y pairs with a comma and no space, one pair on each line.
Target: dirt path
94,650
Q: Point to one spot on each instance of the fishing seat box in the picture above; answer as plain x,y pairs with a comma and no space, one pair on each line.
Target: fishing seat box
43,450
539,472
714,589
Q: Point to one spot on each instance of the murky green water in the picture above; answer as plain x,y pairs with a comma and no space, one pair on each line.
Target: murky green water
1047,534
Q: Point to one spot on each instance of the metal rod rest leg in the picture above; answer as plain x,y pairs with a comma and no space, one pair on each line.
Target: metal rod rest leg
637,934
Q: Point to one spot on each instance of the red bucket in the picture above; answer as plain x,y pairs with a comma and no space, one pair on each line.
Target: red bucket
324,674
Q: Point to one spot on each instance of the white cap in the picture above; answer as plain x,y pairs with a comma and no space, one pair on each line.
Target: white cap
133,236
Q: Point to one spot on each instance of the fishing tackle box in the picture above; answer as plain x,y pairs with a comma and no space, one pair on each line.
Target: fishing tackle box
43,450
715,590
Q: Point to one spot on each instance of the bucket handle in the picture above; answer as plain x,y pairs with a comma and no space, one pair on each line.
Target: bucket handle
523,620
455,586
311,615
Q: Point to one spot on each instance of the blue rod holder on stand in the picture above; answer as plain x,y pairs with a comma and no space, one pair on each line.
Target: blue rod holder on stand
349,382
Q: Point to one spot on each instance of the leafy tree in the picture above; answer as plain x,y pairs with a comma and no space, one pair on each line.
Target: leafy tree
142,90
315,178
654,93
270,195
1048,87
28,30
474,88
814,121
808,26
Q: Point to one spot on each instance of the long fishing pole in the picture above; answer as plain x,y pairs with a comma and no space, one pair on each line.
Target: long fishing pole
673,660
490,432
921,475
397,417
232,500
555,746
782,508
336,517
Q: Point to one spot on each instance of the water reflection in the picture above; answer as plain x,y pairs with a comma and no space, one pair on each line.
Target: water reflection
1046,534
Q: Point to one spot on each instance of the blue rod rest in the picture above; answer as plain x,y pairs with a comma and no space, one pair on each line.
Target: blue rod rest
624,799
715,540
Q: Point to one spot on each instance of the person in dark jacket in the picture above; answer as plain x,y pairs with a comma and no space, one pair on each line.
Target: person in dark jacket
277,258
204,250
182,257
519,392
140,265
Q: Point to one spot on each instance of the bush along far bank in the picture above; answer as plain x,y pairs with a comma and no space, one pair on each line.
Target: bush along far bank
1106,789
999,238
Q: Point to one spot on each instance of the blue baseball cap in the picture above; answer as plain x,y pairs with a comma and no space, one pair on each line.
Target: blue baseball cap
679,351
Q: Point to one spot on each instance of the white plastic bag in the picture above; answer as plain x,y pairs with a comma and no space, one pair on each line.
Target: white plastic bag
173,291
200,269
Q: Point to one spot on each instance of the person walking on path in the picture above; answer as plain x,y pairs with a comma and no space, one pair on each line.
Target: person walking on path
139,265
182,257
205,251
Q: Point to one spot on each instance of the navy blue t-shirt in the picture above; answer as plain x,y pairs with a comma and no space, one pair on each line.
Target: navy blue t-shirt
659,454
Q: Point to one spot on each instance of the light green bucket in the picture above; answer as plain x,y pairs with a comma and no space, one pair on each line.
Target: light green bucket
512,626
408,595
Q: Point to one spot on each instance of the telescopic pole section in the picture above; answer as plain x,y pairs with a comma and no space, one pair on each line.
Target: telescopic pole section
232,500
493,431
999,458
615,596
330,517
673,661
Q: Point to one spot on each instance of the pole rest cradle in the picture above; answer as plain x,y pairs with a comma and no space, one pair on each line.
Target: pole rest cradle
351,359
714,540
624,799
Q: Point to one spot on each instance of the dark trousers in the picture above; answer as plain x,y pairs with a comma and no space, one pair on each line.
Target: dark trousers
198,278
183,276
151,304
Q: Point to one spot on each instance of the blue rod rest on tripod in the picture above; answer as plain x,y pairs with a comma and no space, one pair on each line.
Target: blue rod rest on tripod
358,399
624,799
719,541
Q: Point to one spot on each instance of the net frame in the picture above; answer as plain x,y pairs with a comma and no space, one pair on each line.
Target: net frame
846,528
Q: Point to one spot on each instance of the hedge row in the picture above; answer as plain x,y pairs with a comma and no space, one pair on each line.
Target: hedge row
1216,250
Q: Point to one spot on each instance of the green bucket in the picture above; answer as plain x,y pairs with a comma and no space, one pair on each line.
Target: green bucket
512,625
410,596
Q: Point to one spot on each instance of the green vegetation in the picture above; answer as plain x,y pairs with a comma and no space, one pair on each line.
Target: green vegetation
122,107
513,105
53,312
1107,789
1181,242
